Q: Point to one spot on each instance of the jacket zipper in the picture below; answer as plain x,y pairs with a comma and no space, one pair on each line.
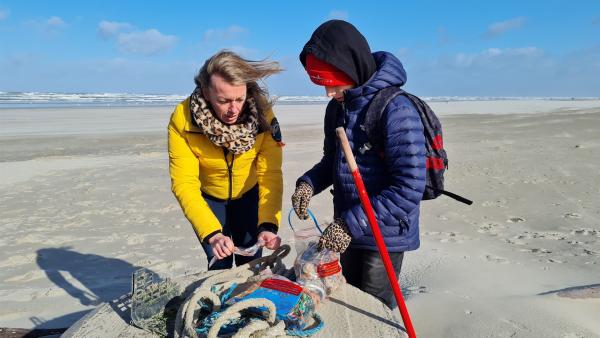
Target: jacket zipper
229,171
338,155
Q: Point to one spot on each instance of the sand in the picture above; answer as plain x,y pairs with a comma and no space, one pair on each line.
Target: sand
85,199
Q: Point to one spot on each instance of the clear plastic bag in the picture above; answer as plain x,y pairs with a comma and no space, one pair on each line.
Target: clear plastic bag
303,237
319,269
249,251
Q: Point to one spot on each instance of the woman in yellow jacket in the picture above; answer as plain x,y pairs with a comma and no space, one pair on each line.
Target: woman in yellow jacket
225,158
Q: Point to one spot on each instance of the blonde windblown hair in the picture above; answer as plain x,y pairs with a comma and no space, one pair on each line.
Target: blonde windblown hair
238,71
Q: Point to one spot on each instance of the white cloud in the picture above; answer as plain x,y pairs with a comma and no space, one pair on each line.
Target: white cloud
109,29
55,23
339,14
4,14
50,26
131,40
496,56
526,71
148,42
499,28
229,33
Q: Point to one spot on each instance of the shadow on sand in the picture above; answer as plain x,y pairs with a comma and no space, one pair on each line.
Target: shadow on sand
91,279
366,313
583,291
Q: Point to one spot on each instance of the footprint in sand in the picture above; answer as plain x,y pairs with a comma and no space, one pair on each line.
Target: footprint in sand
513,241
447,237
453,237
540,251
490,228
501,203
496,259
586,232
554,236
416,289
572,215
515,220
517,240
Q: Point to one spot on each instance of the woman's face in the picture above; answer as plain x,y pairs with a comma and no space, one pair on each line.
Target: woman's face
337,92
226,99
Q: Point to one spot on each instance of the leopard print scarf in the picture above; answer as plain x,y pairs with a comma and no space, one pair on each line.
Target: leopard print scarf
237,138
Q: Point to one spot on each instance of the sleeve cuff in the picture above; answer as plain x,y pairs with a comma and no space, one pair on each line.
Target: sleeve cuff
306,180
268,227
207,238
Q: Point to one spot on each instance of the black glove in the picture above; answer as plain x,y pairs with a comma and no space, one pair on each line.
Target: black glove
300,199
336,237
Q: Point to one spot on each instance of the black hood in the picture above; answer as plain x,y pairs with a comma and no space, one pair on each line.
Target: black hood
341,45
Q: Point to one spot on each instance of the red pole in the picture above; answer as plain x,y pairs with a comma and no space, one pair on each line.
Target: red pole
366,204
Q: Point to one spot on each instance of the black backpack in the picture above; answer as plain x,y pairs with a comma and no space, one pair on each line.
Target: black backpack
437,160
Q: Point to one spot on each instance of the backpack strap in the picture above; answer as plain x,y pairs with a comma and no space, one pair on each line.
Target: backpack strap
372,122
373,128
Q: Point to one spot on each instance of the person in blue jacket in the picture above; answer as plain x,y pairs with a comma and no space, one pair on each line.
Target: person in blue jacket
338,57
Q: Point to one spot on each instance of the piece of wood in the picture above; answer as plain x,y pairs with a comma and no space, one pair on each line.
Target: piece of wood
341,133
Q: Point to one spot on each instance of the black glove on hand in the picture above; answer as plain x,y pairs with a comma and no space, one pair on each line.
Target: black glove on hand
336,237
300,199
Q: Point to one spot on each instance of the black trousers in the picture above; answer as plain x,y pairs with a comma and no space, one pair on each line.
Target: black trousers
364,269
239,219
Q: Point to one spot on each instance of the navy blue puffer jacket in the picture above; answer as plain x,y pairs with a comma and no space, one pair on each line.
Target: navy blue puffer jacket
395,182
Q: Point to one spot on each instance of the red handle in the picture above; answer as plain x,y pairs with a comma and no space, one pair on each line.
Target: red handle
366,204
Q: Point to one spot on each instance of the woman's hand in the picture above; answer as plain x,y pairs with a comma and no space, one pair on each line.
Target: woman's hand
222,245
270,240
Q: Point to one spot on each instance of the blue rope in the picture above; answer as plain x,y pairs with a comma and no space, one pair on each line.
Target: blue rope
308,332
227,294
208,321
311,216
237,323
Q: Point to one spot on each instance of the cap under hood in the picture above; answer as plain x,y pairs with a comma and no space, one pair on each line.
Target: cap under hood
340,44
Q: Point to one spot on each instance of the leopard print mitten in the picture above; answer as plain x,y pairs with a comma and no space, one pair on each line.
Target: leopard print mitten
335,237
300,199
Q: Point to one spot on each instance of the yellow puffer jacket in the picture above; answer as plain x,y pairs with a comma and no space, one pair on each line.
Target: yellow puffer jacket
197,165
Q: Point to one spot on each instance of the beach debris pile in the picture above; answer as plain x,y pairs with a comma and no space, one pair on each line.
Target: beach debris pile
259,298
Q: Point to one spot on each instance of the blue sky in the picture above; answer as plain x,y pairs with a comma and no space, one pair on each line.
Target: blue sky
454,48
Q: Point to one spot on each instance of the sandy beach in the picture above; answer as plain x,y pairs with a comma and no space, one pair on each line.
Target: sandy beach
85,200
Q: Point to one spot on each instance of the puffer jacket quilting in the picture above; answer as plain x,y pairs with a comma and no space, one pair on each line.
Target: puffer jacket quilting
396,182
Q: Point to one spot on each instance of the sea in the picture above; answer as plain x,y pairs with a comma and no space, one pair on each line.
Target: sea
52,100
